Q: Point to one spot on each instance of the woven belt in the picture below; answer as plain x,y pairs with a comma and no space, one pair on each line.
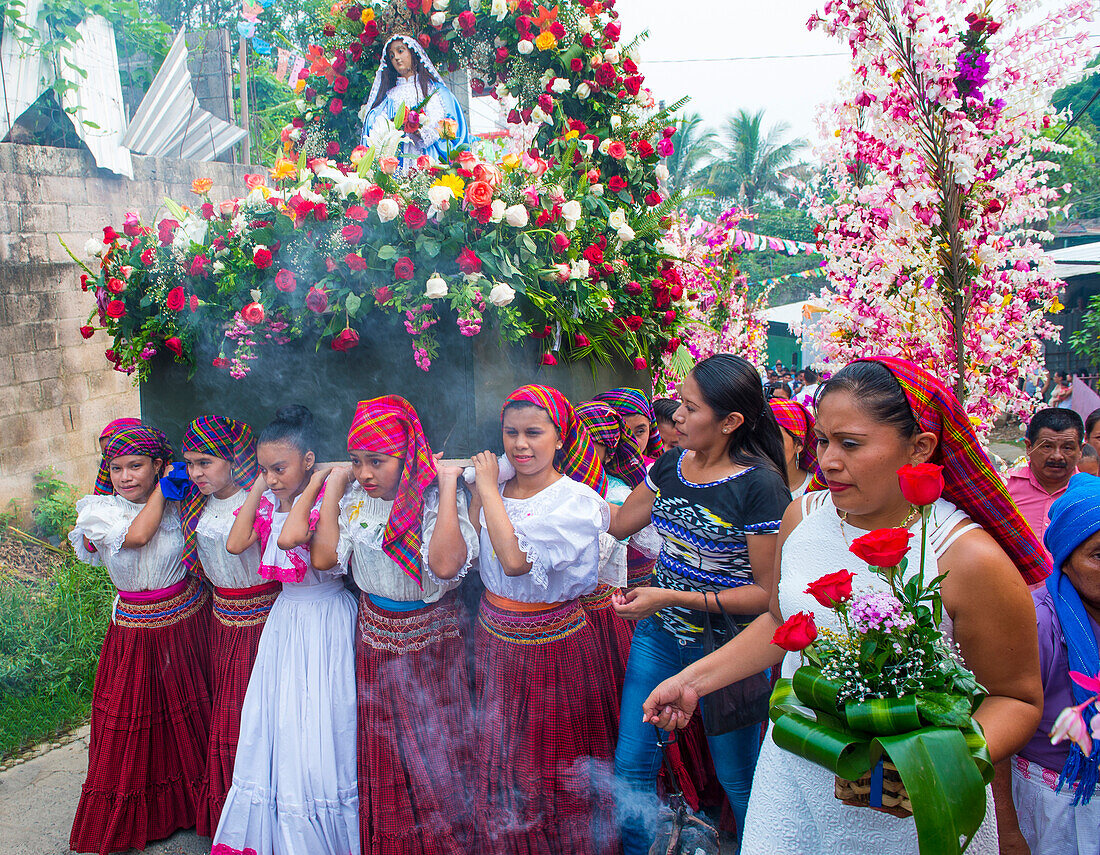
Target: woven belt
170,610
245,606
639,570
533,625
407,632
599,599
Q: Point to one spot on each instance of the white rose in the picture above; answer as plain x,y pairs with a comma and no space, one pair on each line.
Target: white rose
583,90
585,146
499,9
611,55
300,105
441,4
560,85
571,213
516,216
440,196
502,91
218,266
539,117
502,294
498,42
596,189
525,46
438,18
387,210
625,234
498,208
579,269
94,246
436,287
605,145
319,101
617,219
584,24
616,121
661,172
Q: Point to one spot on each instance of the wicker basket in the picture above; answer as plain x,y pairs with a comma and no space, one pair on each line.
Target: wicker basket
893,790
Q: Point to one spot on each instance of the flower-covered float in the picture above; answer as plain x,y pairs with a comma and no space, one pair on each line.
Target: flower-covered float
556,236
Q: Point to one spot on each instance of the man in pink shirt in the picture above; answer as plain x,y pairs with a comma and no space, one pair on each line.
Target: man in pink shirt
1053,447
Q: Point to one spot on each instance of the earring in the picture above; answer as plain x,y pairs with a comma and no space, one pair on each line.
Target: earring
725,430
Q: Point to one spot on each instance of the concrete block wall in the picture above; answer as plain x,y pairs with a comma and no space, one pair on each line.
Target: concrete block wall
56,389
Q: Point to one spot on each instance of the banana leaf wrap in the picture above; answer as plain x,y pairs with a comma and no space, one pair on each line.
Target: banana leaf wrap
937,747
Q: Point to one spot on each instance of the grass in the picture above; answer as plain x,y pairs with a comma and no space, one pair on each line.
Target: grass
50,634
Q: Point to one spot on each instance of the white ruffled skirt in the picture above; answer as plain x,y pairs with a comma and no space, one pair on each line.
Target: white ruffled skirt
294,787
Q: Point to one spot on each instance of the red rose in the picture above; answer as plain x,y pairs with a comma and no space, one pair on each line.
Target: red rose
634,323
632,288
612,31
253,313
616,184
340,84
581,340
546,104
797,632
479,194
220,362
116,285
644,148
669,318
147,256
468,262
501,55
653,199
317,300
415,218
347,339
285,281
358,212
355,262
352,233
543,332
548,359
466,22
87,331
109,234
335,106
332,148
605,74
193,303
921,484
832,588
640,364
673,345
617,150
207,210
175,299
261,257
198,265
372,196
174,345
576,65
116,309
676,292
884,547
165,230
403,268
320,213
561,242
593,254
382,294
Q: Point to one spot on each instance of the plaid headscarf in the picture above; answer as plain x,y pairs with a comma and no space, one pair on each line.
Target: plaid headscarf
607,427
635,402
225,439
130,440
578,457
971,481
799,423
118,424
390,425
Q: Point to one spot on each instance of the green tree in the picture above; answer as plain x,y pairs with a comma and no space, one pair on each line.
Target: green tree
694,145
749,160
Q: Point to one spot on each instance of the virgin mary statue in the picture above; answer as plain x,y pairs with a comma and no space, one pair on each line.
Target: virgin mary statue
406,77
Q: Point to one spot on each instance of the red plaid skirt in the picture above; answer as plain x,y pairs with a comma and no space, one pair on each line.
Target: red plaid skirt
544,752
416,729
150,723
639,569
614,633
239,615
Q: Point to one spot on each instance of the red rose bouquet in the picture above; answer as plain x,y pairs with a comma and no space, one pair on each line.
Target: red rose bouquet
890,697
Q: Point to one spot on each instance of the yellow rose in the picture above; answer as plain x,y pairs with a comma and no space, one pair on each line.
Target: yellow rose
546,41
367,16
284,169
511,161
572,135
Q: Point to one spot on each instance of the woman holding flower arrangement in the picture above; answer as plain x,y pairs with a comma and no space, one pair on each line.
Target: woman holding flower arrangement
875,417
716,501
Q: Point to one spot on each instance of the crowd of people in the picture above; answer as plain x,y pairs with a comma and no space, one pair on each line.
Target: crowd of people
398,653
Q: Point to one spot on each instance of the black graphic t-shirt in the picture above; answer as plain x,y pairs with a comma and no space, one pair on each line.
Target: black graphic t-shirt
703,528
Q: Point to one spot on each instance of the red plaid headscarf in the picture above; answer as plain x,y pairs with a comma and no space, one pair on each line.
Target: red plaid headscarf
118,424
797,421
130,440
971,481
226,439
607,427
635,402
390,425
578,457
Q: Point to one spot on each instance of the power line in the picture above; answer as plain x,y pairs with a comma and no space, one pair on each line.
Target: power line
742,58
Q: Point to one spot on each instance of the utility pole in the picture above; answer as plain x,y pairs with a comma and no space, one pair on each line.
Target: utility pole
246,154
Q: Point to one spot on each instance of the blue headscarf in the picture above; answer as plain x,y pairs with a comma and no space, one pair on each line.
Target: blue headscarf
1074,518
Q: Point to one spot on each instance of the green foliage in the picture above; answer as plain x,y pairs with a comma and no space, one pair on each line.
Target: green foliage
54,505
788,224
1086,341
50,635
749,162
1075,96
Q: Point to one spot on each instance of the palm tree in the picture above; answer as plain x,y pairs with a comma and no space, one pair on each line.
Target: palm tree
693,147
748,162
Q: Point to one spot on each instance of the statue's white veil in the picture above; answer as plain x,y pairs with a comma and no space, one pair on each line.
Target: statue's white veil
416,48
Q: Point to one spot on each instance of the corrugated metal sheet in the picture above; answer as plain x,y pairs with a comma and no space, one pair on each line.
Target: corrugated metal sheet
170,122
98,98
24,71
1084,252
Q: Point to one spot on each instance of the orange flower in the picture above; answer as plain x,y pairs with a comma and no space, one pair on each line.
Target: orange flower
284,169
479,194
252,181
201,186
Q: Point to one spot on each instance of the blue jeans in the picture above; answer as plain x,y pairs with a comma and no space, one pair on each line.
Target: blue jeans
655,655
